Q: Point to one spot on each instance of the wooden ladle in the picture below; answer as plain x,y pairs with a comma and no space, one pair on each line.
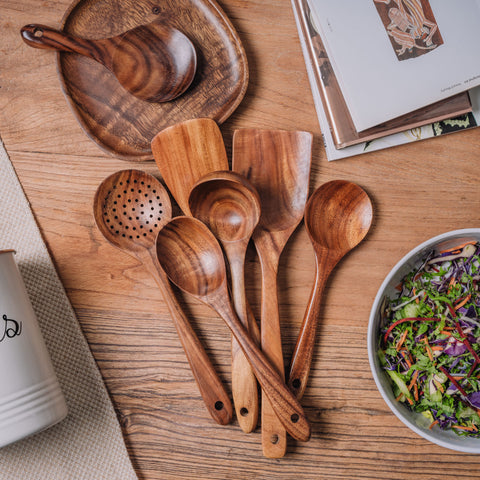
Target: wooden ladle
337,217
154,62
193,259
229,205
277,163
130,207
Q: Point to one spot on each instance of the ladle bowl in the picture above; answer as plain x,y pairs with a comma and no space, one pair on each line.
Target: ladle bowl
337,217
154,62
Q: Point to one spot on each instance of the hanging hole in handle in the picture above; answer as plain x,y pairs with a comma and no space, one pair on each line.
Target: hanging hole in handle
295,418
274,439
218,405
38,32
296,383
244,411
156,10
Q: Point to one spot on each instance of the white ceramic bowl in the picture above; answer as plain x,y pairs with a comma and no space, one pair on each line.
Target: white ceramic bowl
417,422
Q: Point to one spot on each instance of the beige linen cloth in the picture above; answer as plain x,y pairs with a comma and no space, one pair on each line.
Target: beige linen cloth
88,444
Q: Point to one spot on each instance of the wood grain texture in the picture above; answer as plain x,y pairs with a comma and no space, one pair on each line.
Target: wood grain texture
192,258
230,207
337,217
120,123
154,62
418,191
130,207
277,163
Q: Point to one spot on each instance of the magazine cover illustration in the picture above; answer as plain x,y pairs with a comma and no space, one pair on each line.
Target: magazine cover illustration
410,25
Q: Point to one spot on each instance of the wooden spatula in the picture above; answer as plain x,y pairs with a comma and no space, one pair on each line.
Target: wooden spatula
186,152
277,163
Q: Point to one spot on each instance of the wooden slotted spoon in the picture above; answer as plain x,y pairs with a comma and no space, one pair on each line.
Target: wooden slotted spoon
277,163
130,207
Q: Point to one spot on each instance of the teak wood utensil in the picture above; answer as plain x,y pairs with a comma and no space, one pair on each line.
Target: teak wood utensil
277,163
229,205
154,62
187,151
193,260
337,217
130,207
118,122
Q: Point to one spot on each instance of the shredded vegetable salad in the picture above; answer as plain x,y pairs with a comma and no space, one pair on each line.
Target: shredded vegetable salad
430,340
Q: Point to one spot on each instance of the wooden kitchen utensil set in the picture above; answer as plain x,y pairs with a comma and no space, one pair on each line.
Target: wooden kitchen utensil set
263,198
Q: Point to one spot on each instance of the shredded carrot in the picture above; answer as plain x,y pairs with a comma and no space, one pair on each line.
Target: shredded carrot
463,302
459,247
410,401
451,284
433,424
414,380
437,348
472,428
415,392
402,339
399,397
405,356
429,351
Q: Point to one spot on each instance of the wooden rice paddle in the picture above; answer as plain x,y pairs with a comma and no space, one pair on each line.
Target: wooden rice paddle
154,62
277,163
187,151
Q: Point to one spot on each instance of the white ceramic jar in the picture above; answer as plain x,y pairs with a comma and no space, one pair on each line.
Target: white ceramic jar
30,396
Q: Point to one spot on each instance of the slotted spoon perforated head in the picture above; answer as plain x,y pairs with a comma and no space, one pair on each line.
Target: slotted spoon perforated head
130,207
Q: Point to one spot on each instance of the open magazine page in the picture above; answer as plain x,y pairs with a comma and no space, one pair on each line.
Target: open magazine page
462,122
391,57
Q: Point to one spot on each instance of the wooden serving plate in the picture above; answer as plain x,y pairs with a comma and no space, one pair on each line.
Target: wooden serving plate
123,125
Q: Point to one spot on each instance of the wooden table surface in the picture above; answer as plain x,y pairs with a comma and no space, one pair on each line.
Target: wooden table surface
418,191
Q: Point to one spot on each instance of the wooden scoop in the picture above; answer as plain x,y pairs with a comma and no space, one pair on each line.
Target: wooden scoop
154,62
186,152
337,217
193,260
130,207
277,163
229,205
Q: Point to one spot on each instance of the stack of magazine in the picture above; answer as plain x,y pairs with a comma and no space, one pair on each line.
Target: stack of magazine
389,72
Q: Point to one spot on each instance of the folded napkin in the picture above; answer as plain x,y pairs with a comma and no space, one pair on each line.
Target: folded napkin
88,444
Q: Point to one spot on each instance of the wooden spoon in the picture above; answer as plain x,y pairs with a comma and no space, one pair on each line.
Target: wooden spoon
130,207
229,205
193,260
277,163
337,217
187,151
154,62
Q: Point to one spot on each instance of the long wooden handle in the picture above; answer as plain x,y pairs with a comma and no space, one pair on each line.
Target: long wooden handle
286,406
209,384
41,36
244,382
274,435
302,355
